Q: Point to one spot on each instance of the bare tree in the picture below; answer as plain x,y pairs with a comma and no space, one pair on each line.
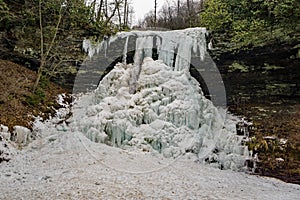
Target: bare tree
44,55
113,11
119,13
125,18
155,12
186,14
178,8
189,11
99,12
106,9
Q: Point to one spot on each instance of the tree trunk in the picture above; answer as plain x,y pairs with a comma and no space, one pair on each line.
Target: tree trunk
178,8
189,12
36,83
106,9
155,12
108,18
125,13
45,55
128,12
119,14
99,13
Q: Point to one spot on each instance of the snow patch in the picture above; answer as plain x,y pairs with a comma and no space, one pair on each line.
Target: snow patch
7,151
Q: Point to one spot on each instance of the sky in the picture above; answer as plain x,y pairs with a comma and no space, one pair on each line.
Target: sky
141,7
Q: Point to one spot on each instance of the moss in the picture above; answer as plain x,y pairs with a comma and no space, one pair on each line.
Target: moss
280,88
36,98
39,96
237,67
268,67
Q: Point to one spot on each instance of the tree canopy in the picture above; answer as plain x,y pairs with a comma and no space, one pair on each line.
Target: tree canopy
242,23
51,31
252,22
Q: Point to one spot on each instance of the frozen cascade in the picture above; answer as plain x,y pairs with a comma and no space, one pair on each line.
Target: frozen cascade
154,106
167,43
125,50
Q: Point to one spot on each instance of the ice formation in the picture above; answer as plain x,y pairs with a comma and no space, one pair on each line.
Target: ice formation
22,135
156,105
6,149
4,132
166,42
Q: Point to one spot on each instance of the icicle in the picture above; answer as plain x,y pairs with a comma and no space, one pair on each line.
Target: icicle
167,51
92,49
183,58
125,51
202,46
166,42
158,44
139,54
86,44
148,45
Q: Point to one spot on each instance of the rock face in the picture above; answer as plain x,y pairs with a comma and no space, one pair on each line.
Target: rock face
267,74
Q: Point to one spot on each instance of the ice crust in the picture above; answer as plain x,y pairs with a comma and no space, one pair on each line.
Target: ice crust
157,106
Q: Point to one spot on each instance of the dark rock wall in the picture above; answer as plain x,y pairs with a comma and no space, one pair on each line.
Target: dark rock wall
269,74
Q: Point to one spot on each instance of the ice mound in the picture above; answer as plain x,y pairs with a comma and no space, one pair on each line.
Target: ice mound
166,113
6,149
158,106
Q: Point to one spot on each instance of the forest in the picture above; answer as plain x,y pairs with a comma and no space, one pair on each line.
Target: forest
49,32
258,37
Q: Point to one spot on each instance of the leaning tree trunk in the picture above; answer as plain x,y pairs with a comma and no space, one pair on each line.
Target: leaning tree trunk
45,55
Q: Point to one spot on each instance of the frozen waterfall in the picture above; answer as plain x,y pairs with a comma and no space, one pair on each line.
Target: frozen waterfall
166,43
157,106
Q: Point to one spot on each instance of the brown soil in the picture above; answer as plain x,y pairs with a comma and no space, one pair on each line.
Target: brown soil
16,83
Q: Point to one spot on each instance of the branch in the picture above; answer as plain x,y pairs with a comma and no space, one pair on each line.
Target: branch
55,33
44,56
111,16
41,28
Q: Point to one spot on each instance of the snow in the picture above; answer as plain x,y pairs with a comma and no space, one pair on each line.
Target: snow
4,132
66,165
3,128
171,140
7,151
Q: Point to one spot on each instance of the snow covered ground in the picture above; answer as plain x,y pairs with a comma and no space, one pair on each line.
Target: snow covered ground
67,165
63,162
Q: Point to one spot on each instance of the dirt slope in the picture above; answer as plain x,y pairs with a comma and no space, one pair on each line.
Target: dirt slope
16,98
